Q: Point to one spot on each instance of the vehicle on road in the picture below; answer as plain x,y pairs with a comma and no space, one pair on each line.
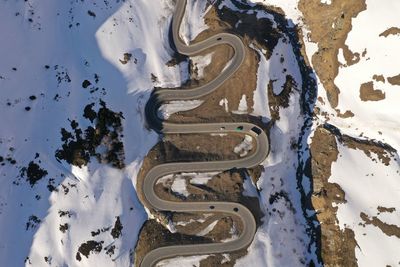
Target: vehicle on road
256,130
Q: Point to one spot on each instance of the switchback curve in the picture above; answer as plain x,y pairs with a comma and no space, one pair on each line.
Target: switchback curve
161,96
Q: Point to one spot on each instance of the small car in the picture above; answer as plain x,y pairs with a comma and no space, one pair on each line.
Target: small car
256,130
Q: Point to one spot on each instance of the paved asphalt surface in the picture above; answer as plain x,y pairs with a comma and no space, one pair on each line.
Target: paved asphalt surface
262,149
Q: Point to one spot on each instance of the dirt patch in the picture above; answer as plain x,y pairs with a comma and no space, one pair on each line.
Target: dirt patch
220,233
384,152
320,17
63,227
337,246
126,59
384,209
369,93
395,80
33,223
388,229
347,114
378,78
390,31
212,144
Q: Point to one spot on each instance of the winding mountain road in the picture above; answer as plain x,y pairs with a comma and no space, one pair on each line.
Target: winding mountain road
161,96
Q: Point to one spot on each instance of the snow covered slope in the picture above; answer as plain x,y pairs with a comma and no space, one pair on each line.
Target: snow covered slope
58,57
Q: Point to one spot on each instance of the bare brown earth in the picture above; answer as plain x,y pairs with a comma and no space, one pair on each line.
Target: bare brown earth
319,18
369,93
390,31
345,115
222,145
385,209
395,80
379,78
